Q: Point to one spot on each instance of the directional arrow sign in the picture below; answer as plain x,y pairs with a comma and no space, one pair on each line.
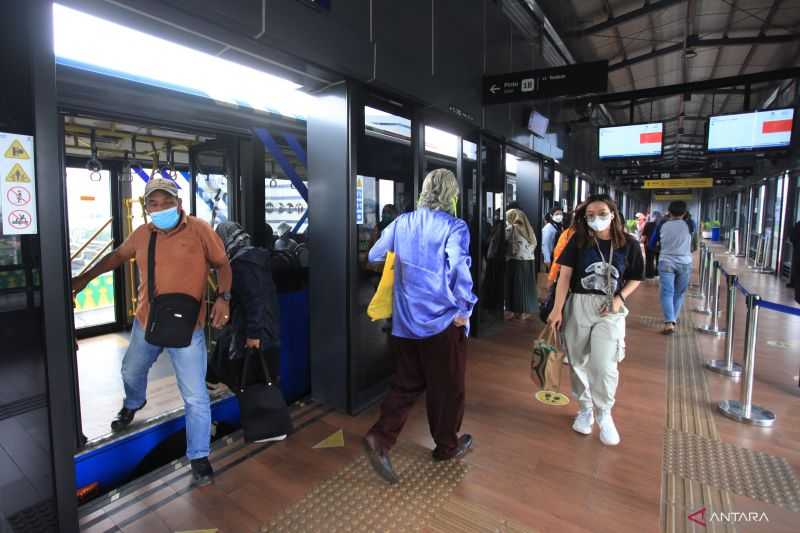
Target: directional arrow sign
581,78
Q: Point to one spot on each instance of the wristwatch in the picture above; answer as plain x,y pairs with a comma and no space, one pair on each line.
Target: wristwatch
225,295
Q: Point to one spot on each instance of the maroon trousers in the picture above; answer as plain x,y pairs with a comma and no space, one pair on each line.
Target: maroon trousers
436,366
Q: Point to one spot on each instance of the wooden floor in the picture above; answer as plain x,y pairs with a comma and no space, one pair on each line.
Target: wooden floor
527,464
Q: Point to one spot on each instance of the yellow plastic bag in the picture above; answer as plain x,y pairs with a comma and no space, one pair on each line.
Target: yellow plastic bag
380,307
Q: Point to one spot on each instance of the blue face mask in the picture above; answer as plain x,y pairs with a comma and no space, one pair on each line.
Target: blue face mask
166,219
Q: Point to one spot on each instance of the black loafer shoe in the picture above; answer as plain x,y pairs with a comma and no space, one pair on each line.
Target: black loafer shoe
464,445
202,473
124,418
379,460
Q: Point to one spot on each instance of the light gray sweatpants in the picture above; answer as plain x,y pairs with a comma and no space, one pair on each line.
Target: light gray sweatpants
595,343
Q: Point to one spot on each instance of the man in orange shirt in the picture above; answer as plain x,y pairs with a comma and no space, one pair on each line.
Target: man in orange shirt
184,248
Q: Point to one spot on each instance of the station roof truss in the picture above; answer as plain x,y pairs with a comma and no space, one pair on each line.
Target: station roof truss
656,43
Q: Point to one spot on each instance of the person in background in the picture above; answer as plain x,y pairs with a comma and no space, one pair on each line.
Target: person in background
601,267
641,220
550,234
794,276
432,305
521,290
650,254
254,315
185,247
388,214
673,237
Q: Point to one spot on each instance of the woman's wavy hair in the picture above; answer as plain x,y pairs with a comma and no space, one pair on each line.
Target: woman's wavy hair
585,236
439,190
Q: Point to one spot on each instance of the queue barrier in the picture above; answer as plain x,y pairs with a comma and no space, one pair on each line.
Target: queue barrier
742,410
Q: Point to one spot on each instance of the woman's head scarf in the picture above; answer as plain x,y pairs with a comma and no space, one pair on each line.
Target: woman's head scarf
519,221
236,240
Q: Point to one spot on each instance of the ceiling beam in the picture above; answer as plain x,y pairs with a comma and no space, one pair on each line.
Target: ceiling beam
612,21
691,87
696,42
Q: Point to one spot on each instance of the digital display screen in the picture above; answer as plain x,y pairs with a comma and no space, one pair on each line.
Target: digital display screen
634,140
750,131
538,123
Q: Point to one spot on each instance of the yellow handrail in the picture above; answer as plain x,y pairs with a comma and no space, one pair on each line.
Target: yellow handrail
91,240
96,256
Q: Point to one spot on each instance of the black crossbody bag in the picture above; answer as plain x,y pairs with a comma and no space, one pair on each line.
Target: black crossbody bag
173,316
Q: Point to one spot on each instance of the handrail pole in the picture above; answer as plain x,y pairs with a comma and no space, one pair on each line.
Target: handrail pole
90,240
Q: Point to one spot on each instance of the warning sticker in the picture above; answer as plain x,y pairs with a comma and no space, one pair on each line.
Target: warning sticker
17,185
18,175
19,219
16,151
18,196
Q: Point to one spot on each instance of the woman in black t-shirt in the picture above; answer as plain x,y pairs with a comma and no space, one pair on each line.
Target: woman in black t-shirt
601,267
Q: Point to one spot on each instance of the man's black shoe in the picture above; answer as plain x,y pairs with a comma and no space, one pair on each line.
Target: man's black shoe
379,460
464,445
124,418
202,473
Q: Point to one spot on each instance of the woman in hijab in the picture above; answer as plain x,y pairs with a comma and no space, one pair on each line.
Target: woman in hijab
521,294
254,306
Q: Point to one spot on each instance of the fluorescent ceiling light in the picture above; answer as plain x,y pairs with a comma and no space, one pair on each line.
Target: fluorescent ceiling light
512,163
91,43
441,142
382,121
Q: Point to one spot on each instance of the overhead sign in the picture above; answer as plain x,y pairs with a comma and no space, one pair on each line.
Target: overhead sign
673,197
681,183
17,185
581,78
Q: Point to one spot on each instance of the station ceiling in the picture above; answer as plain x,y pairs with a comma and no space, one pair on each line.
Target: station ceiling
652,43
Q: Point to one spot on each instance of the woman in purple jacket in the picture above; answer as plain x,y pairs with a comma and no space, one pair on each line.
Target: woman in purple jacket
432,304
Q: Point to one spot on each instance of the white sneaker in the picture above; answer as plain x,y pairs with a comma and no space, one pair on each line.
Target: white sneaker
270,439
608,431
584,421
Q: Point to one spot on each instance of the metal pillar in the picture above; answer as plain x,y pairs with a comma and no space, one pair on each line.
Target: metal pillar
712,328
726,366
749,228
743,410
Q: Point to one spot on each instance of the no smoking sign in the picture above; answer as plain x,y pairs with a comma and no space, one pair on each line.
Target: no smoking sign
18,196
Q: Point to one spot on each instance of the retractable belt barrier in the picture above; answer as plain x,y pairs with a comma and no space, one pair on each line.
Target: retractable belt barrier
742,410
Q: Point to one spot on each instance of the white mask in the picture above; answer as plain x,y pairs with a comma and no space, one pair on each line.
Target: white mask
601,223
558,218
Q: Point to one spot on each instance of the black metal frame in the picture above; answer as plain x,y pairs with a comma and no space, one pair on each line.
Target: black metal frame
120,309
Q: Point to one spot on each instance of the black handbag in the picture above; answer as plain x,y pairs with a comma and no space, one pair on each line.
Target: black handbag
263,411
172,318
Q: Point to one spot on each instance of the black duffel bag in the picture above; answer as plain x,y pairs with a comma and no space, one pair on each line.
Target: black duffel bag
172,318
264,414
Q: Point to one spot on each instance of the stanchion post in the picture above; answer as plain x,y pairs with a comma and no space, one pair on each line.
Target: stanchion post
702,269
712,328
705,309
744,410
726,366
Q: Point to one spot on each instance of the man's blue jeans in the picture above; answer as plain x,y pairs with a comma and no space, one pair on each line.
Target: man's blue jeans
190,369
674,282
